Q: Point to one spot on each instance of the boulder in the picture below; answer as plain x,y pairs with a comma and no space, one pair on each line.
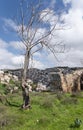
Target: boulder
41,87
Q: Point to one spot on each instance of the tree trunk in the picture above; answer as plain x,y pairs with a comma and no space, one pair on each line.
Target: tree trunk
26,99
26,64
25,88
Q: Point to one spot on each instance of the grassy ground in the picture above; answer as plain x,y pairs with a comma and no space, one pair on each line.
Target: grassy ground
50,111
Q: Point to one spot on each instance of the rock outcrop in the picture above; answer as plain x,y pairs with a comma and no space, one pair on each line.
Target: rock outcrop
72,81
58,78
6,77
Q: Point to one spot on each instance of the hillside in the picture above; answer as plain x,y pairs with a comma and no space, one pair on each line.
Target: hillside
61,78
50,111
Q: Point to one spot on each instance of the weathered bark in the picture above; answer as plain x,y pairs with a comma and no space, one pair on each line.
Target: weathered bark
26,64
26,98
25,89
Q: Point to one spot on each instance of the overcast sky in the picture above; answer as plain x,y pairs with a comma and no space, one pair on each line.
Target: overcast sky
68,11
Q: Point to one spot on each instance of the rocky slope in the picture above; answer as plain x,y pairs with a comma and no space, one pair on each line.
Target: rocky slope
61,78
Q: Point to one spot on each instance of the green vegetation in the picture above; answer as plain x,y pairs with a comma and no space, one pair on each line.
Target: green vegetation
50,111
76,124
2,88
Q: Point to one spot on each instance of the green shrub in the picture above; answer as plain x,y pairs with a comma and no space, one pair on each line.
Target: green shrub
77,95
34,86
69,100
47,103
11,81
2,86
76,124
60,96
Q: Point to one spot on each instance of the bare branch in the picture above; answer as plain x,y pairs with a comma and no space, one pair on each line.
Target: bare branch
34,19
40,39
38,48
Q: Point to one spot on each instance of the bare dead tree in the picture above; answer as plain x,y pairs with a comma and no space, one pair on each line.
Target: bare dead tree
36,27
